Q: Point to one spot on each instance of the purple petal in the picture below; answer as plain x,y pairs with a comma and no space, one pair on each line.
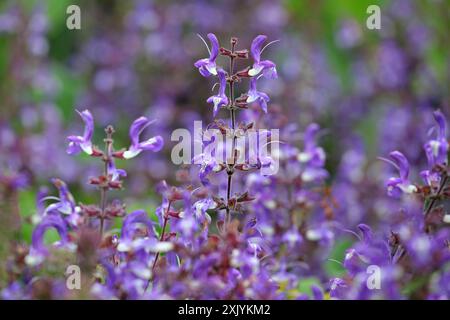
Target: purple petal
73,148
201,63
139,216
214,47
136,129
402,163
270,70
317,292
366,232
263,101
310,136
114,172
89,124
154,144
222,81
256,47
440,119
50,221
65,196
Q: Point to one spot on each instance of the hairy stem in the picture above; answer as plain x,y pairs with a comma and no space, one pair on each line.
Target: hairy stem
230,170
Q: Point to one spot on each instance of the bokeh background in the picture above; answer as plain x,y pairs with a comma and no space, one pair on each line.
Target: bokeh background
372,90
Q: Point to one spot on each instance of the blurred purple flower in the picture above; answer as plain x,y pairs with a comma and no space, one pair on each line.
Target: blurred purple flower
134,218
64,205
313,156
38,250
437,149
397,186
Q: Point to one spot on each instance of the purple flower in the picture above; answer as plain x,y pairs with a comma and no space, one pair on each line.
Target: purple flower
208,66
82,143
114,172
397,186
220,99
207,160
66,202
209,164
317,292
437,149
38,250
255,95
337,287
313,156
292,237
134,218
153,144
200,210
312,153
266,66
64,205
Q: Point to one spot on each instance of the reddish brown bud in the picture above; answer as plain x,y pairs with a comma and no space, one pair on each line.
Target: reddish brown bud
225,52
115,184
96,152
174,214
94,181
115,209
90,210
245,197
232,202
243,54
243,73
119,154
175,194
220,202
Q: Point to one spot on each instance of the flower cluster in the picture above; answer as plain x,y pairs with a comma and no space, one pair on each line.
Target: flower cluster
413,257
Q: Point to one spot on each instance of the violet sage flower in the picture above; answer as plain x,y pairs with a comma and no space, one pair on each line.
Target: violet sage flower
397,186
153,144
208,66
437,149
64,205
266,66
313,156
66,202
257,96
220,99
38,250
82,143
114,172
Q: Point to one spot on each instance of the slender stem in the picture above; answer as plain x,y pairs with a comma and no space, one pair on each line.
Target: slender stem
161,238
434,199
438,193
103,200
228,216
230,171
103,189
